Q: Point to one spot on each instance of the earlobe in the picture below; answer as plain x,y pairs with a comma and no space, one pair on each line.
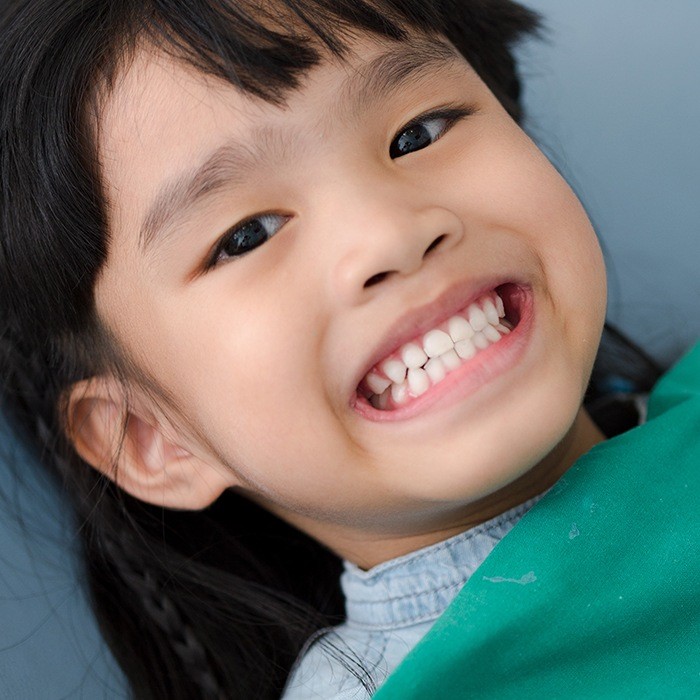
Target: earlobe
139,449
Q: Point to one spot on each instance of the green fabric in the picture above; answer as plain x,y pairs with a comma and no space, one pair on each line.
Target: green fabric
595,593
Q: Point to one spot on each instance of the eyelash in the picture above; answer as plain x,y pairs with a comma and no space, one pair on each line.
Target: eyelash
450,115
216,257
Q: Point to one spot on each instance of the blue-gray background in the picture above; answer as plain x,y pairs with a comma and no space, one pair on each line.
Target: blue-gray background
614,99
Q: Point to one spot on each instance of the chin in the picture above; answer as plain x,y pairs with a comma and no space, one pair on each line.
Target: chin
512,441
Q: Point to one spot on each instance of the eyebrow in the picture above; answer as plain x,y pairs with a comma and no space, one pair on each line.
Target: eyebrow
229,165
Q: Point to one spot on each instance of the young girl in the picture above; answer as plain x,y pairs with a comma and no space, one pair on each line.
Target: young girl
288,294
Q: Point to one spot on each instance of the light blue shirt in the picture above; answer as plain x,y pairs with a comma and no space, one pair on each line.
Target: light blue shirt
389,608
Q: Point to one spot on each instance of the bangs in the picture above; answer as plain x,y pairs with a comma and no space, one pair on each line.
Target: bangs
263,48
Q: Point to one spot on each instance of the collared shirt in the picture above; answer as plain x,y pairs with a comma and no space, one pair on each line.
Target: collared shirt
389,609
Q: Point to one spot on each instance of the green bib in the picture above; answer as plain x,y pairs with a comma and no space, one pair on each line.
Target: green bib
595,593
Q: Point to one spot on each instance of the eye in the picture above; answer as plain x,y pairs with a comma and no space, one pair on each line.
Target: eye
246,236
425,130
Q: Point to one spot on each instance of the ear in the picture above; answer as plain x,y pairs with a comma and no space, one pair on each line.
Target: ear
134,445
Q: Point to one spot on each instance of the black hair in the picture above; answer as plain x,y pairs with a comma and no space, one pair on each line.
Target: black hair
230,593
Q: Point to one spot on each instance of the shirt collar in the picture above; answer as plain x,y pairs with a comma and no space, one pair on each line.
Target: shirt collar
418,586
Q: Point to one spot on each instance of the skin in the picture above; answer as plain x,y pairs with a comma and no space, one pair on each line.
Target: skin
258,353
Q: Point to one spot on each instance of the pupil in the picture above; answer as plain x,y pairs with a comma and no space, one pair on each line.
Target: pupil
249,236
413,139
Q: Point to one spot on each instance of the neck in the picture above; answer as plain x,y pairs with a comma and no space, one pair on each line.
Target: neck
367,551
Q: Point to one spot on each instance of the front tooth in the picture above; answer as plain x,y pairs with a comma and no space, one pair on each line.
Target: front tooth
399,392
395,370
491,334
477,318
436,343
491,312
499,307
451,360
413,356
435,370
418,381
465,349
481,341
377,383
459,329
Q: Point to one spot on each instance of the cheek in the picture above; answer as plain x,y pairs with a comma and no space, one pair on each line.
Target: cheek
239,361
243,380
573,264
522,209
520,192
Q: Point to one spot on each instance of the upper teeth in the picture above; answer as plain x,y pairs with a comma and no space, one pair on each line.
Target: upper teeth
412,369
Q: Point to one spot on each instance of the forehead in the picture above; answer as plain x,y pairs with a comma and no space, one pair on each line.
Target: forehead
154,81
169,133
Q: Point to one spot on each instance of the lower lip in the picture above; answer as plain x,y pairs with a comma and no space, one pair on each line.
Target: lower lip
481,370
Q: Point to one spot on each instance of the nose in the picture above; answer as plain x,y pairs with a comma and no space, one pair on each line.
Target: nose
380,234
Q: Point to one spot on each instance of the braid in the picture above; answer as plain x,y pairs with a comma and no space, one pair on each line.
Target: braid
166,615
26,399
36,417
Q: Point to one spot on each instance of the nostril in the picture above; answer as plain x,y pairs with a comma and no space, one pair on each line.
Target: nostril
434,244
374,279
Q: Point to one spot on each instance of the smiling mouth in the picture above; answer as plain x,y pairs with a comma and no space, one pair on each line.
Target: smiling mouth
417,366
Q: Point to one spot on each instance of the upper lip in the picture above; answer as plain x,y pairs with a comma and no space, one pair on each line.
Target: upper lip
423,318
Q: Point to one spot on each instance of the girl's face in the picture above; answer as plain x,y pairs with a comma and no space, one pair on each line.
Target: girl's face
363,234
